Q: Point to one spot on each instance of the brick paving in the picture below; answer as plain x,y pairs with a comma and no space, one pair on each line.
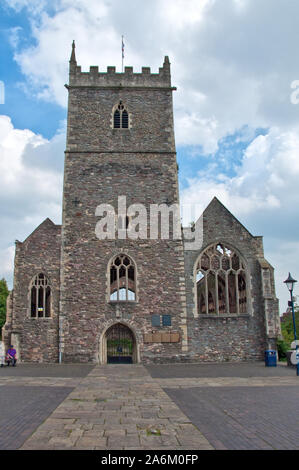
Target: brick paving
184,406
23,409
251,418
215,370
29,393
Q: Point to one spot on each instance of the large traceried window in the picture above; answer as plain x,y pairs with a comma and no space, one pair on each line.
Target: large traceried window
122,279
120,117
40,297
221,282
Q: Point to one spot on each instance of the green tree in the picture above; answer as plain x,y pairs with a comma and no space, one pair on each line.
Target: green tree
287,331
3,296
287,327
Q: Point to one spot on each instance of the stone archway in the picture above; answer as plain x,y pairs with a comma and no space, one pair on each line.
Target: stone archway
119,345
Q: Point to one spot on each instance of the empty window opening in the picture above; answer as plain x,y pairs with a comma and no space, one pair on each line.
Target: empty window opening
122,279
221,282
40,297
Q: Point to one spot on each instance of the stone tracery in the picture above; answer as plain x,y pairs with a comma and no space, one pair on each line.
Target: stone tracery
40,297
221,282
122,279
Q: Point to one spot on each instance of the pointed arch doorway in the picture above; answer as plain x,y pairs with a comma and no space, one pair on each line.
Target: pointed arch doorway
120,345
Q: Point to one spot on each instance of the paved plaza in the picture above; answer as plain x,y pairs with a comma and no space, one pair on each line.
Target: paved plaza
131,407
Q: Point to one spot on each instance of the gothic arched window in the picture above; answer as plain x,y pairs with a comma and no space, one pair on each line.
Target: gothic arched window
40,297
221,282
122,279
120,117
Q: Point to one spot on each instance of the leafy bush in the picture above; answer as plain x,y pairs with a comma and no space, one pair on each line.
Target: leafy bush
287,328
282,348
287,331
3,296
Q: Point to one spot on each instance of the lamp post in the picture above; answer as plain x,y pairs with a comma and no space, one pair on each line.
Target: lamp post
290,285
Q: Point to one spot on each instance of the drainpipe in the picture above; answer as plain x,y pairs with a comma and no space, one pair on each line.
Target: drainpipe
60,341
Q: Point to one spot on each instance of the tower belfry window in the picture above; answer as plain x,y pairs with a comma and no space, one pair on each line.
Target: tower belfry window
120,117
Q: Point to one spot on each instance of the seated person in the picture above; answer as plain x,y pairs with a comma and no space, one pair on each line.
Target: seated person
11,356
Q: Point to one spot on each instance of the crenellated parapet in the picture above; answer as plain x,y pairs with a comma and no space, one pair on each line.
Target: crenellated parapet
111,78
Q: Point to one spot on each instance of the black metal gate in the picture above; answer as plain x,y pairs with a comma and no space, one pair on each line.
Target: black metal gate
120,344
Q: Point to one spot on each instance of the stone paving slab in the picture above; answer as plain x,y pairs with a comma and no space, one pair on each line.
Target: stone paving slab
118,407
228,382
46,370
39,381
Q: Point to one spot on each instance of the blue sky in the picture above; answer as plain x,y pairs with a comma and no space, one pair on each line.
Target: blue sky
44,117
25,110
228,157
237,132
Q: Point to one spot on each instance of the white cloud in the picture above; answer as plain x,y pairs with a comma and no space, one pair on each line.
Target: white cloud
14,36
7,262
263,195
25,165
284,257
178,17
233,63
265,181
30,185
46,64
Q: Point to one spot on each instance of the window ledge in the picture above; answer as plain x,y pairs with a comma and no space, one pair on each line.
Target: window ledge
113,302
228,315
40,318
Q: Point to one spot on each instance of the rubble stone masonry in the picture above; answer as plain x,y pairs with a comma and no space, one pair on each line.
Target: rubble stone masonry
139,162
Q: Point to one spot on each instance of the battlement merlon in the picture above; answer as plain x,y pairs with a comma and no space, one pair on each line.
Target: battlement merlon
111,78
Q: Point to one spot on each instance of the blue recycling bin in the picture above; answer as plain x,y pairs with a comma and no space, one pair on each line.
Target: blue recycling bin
270,358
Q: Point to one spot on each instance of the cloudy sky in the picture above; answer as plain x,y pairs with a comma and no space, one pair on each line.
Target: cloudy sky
237,130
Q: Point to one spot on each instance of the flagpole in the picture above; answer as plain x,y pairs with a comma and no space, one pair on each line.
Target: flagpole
122,54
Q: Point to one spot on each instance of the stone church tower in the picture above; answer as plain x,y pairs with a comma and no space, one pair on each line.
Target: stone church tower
86,291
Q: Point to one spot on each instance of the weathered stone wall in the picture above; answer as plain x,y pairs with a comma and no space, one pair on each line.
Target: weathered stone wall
90,121
39,253
160,266
229,337
101,164
270,304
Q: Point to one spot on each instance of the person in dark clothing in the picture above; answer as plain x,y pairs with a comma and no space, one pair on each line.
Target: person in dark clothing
11,356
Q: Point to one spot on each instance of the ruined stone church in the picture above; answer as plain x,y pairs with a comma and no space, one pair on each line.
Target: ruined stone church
78,297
